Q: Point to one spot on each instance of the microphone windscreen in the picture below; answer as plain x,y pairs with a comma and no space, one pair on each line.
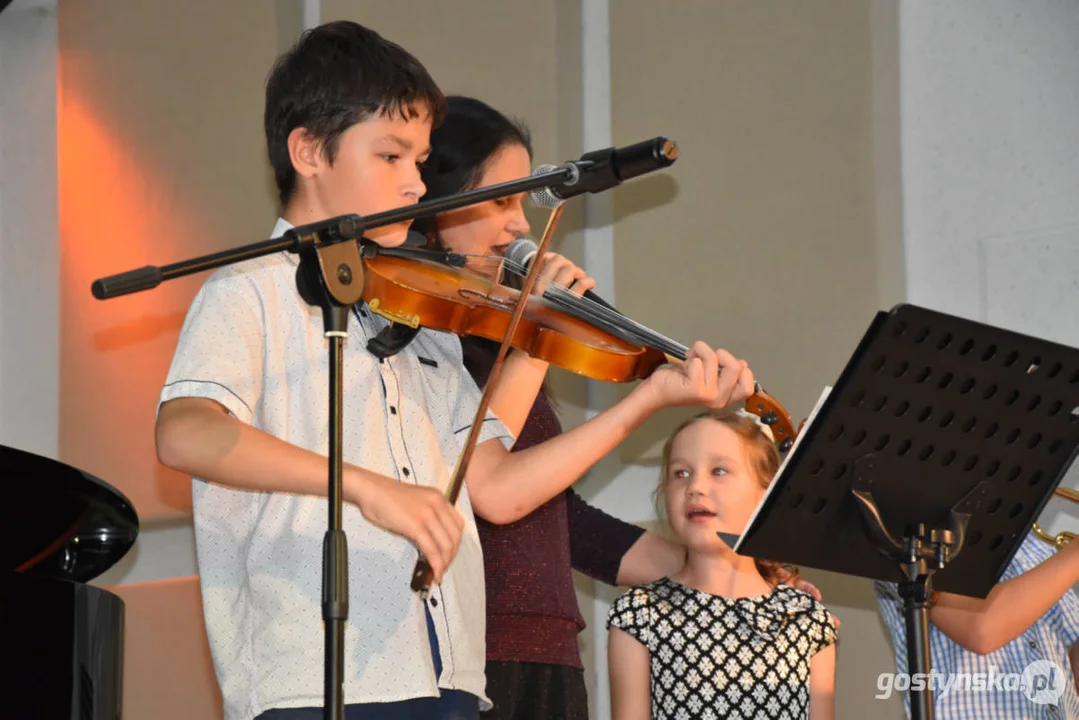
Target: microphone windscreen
520,252
543,197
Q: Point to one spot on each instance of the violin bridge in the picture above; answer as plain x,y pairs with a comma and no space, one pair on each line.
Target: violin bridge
375,306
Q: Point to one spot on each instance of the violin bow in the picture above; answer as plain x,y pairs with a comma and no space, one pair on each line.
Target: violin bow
422,575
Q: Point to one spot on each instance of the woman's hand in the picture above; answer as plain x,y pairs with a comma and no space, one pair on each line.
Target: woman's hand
561,272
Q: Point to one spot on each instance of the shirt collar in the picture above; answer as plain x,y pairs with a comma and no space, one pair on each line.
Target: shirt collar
280,228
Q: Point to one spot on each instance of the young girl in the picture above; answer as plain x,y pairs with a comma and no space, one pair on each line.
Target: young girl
719,638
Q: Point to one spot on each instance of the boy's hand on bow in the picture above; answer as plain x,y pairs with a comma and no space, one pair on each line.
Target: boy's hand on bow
423,515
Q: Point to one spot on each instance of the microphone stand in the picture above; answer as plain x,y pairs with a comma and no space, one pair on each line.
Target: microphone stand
331,276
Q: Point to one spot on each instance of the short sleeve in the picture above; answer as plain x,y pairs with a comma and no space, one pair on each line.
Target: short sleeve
822,628
886,591
889,604
464,404
632,613
219,354
1068,610
1065,612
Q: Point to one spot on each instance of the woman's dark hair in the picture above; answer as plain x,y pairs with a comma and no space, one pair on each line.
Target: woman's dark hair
469,136
337,75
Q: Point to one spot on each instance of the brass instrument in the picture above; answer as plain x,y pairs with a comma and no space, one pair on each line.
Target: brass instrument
1060,539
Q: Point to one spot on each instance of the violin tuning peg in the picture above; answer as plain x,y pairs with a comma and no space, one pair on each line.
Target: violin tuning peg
786,444
769,418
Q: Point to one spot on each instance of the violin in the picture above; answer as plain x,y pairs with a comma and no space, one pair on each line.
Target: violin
437,290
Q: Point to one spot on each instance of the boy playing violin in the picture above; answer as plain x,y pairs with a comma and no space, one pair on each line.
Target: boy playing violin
348,117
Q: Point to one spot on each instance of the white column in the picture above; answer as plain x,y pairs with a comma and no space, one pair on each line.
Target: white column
312,13
596,119
990,153
599,262
29,230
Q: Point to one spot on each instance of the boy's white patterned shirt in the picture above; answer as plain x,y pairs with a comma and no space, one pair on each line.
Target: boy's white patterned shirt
250,343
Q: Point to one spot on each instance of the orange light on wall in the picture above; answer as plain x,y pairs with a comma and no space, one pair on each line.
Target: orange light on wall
117,211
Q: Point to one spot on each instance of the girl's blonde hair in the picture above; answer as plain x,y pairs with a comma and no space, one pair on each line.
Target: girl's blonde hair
763,457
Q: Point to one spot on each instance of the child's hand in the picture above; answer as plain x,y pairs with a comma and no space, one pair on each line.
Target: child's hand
423,515
708,378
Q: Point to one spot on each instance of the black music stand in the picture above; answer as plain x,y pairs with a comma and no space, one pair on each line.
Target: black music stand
927,463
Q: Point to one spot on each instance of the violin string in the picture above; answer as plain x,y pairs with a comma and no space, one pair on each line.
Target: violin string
597,311
593,309
586,306
589,308
486,265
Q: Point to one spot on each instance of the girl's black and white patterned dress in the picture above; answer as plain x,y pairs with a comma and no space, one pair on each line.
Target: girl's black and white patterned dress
717,657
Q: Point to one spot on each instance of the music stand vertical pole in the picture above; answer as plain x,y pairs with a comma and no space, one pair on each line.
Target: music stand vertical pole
919,554
915,594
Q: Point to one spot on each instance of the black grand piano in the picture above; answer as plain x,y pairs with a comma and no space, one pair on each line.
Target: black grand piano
62,639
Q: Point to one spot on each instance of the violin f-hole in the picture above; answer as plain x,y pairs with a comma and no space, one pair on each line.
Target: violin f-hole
475,295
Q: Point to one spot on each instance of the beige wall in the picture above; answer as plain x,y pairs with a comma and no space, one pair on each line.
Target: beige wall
160,159
763,237
168,674
519,46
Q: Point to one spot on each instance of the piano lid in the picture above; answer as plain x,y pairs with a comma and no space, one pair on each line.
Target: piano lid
60,522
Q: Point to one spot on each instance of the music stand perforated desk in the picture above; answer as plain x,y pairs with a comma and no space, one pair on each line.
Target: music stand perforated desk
927,464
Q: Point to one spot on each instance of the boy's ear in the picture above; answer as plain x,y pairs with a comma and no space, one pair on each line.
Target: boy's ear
305,152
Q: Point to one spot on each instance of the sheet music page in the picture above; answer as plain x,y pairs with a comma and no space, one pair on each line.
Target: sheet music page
772,488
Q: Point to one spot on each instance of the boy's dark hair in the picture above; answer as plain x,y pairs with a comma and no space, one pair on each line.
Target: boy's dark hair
337,75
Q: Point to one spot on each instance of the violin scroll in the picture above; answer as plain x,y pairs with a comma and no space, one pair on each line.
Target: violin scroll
775,416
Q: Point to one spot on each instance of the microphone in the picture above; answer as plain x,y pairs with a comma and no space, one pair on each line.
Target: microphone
522,252
601,170
542,197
